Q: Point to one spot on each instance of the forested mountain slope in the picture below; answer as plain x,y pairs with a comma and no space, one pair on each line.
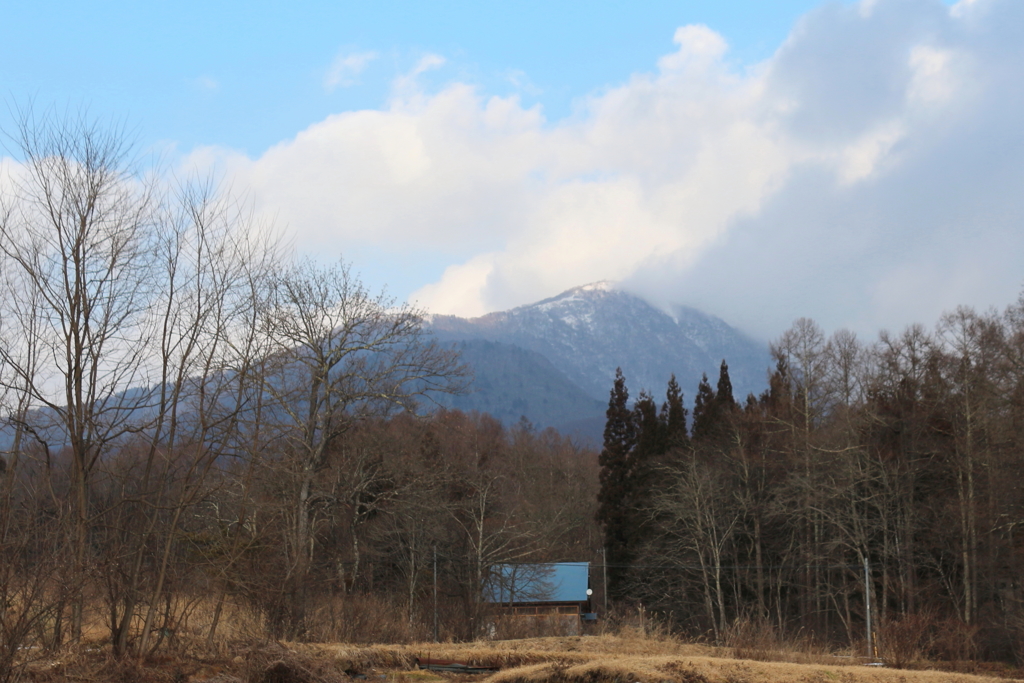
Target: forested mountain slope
584,334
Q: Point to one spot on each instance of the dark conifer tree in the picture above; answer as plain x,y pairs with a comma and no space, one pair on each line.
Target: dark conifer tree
651,444
673,414
705,409
615,501
778,397
724,395
714,412
650,432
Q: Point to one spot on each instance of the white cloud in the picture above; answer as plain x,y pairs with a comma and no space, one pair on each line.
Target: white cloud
698,46
207,83
963,8
461,287
345,69
860,159
820,183
520,81
427,63
932,81
867,8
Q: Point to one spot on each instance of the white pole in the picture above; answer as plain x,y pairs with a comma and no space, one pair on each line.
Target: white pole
867,604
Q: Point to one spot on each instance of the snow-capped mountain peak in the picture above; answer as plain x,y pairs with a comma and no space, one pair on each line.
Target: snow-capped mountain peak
587,332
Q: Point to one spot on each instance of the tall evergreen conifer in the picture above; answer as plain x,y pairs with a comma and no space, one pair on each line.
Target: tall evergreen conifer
651,431
705,409
673,414
615,509
714,411
651,445
724,395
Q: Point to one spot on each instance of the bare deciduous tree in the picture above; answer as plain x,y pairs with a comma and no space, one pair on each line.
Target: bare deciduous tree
340,354
78,231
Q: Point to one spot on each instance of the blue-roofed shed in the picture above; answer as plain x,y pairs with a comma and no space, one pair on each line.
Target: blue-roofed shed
553,595
538,583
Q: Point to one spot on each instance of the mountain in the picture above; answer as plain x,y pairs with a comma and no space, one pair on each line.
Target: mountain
511,382
584,334
553,362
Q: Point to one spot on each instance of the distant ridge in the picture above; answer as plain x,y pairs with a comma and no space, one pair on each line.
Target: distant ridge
584,334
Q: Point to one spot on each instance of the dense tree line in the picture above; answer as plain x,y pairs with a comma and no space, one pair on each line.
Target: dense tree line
905,454
196,425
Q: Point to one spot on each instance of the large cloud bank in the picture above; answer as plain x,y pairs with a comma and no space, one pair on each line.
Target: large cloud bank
870,174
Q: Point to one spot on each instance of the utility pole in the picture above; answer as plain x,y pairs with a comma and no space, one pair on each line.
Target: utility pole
435,593
867,605
604,567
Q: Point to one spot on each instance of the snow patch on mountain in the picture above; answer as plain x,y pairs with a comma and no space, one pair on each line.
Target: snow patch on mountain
589,331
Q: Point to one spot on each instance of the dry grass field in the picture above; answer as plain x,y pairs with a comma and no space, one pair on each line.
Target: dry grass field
630,659
623,658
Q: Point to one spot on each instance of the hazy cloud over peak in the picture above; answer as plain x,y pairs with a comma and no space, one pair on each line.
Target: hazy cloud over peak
866,175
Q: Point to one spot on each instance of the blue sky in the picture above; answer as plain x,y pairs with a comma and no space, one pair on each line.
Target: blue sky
853,162
250,74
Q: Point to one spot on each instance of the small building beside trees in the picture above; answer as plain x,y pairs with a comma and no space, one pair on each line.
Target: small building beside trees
538,599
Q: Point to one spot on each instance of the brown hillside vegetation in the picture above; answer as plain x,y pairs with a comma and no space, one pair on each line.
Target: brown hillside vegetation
588,659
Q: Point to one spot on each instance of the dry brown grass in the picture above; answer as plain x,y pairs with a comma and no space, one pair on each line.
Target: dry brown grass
509,653
632,658
625,658
658,668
